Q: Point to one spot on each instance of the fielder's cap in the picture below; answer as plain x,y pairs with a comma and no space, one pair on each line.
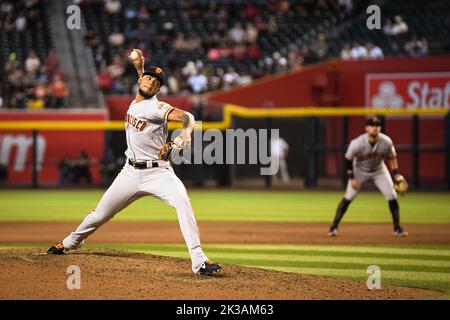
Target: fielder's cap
156,72
374,121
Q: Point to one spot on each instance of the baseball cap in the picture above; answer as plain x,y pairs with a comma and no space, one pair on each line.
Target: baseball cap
374,121
156,72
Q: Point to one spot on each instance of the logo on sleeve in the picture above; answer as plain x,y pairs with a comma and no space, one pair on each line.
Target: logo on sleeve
162,104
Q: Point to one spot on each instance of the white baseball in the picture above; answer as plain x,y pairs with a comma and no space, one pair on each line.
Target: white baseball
134,55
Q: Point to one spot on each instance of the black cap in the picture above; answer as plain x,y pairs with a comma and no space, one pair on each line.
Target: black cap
156,72
374,121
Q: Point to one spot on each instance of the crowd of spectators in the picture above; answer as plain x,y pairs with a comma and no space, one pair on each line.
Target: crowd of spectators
29,81
35,84
236,43
400,42
231,52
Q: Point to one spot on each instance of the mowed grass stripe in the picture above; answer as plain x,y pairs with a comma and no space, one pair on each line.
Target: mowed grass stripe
74,205
441,264
398,278
381,249
316,262
343,250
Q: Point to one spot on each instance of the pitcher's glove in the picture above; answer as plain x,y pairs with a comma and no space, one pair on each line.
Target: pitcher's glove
400,184
167,150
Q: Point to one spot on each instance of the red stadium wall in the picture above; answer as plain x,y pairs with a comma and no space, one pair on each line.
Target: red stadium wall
16,146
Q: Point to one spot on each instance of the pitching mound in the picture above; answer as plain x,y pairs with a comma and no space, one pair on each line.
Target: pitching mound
107,274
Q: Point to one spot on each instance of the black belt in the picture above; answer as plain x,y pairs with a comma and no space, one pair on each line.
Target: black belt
143,165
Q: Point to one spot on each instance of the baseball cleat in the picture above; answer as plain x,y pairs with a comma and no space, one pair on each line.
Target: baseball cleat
400,232
333,232
57,248
209,268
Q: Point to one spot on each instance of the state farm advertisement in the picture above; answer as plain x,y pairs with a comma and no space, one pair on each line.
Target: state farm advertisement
430,90
73,146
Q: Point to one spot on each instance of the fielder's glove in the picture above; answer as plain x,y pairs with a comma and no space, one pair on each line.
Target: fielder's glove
167,150
400,184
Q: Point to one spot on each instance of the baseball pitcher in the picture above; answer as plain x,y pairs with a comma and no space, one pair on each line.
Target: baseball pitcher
147,170
365,162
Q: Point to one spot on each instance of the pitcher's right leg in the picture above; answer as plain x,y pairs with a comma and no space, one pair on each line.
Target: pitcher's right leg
121,193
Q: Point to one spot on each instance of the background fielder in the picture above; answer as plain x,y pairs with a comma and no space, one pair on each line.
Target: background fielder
145,174
365,162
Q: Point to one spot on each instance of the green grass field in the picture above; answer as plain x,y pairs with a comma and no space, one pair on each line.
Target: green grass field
407,265
44,205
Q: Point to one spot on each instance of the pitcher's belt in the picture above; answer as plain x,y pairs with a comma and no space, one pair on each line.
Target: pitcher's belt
143,164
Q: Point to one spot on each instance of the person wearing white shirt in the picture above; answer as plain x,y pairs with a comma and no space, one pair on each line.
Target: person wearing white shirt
279,149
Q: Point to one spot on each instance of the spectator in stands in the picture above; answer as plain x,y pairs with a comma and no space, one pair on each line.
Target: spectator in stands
81,168
6,7
294,56
12,62
21,22
1,102
251,32
32,63
346,52
198,82
422,47
59,92
40,91
143,15
116,38
388,27
400,26
230,78
51,63
374,52
237,33
104,80
396,50
117,67
359,51
320,47
113,6
180,43
66,171
308,55
35,103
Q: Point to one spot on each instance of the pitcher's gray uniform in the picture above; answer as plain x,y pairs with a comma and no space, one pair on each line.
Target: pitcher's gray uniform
143,174
146,132
364,161
368,164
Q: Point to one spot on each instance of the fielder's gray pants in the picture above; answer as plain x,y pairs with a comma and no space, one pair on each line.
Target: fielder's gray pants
381,178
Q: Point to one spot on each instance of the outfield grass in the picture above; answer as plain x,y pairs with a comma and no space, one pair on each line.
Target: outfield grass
425,267
45,205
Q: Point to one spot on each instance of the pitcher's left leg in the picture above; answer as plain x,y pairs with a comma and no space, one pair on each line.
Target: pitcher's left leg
165,185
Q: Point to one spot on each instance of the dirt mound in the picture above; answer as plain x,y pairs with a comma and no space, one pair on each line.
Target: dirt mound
107,274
